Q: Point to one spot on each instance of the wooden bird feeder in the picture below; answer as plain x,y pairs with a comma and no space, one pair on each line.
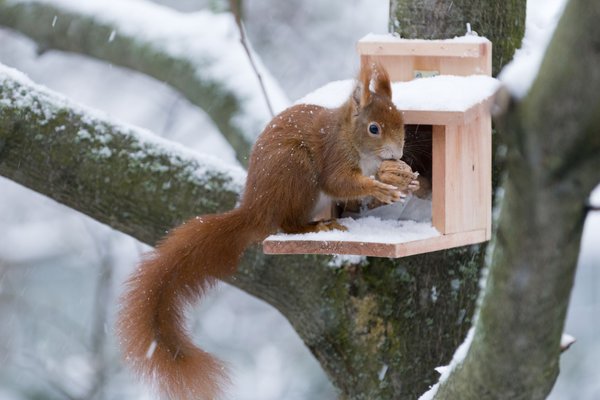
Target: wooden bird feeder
454,112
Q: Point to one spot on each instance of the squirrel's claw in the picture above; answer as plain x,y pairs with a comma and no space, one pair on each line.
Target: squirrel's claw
414,185
386,193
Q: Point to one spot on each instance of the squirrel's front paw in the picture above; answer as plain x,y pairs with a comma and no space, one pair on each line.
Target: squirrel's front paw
386,193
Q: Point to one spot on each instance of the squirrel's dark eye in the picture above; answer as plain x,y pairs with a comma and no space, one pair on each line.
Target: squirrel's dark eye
374,128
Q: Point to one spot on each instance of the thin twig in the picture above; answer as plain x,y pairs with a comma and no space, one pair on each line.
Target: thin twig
235,9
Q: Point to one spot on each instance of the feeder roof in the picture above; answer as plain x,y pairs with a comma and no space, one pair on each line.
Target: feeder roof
439,100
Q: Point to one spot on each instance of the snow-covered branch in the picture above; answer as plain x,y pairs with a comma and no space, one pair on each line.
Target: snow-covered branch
198,54
120,175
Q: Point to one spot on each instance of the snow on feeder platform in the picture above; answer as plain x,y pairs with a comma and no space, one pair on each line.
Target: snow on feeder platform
444,90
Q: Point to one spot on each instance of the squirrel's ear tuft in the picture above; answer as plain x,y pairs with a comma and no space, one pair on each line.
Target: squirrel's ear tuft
383,86
360,96
362,92
373,78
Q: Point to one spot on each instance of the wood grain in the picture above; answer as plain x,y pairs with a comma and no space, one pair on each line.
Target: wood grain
391,250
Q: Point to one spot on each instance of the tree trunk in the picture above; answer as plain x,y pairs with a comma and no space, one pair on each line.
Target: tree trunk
419,333
553,165
503,22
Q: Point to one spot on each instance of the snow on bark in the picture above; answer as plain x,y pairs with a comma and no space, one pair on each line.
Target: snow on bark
519,74
19,92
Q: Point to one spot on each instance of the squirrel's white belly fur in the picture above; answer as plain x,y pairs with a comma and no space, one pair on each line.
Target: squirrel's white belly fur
368,166
323,202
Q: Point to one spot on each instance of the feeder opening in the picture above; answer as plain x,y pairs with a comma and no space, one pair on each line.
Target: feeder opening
417,206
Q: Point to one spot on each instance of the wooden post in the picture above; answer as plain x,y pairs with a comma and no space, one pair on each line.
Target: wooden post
461,176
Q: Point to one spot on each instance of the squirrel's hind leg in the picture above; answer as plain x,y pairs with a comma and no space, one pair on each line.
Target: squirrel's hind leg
332,225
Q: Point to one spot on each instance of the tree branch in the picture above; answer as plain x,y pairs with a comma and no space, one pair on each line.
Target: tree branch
197,54
551,135
80,159
235,7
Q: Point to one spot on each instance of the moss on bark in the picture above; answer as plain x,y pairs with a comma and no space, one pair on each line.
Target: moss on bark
402,321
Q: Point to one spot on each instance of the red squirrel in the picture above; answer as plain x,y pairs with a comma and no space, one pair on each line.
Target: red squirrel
305,153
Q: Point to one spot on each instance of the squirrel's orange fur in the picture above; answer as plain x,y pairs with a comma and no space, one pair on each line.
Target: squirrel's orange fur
305,151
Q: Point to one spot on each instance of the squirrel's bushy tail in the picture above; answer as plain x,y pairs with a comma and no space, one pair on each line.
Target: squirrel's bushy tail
151,323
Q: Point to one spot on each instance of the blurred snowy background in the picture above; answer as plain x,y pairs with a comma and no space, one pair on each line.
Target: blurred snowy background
60,272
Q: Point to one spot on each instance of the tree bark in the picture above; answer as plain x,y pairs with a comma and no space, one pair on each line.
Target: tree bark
503,22
55,26
553,164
